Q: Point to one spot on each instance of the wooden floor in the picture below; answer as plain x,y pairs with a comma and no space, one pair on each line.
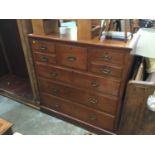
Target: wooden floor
15,85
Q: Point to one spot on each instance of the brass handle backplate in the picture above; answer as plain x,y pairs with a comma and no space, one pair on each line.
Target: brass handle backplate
56,105
54,74
92,118
93,101
105,70
43,48
54,91
106,57
44,59
94,83
71,58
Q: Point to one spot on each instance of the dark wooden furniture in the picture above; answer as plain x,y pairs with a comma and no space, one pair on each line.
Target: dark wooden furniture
5,127
16,79
82,81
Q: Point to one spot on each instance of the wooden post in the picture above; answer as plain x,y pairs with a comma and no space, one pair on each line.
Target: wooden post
85,29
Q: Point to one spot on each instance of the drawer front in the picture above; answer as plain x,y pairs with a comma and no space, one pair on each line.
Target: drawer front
48,59
106,55
86,81
83,113
72,56
94,100
53,73
106,69
42,46
97,84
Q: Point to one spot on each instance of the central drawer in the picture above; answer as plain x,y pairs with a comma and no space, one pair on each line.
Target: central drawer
72,56
104,103
85,114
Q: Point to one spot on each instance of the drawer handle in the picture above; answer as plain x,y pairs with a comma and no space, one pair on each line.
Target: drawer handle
94,84
43,48
54,91
92,118
56,105
93,100
54,74
44,59
71,58
105,70
106,57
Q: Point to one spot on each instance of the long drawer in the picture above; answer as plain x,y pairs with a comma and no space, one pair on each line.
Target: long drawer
83,80
83,113
95,100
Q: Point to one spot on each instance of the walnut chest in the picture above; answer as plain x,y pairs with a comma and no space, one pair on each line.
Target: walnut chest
82,82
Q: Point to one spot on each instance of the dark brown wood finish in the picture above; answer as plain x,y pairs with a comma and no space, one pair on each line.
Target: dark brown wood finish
83,113
88,98
83,89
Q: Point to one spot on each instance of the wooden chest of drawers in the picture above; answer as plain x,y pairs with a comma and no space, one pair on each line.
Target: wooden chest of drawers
82,82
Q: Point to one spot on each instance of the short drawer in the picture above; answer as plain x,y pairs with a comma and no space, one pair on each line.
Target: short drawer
72,56
90,99
106,69
78,111
45,58
106,55
94,83
42,46
53,73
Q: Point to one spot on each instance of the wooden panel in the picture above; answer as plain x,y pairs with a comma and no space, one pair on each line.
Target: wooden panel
42,46
84,29
91,99
136,118
83,113
45,58
72,56
45,26
106,69
106,55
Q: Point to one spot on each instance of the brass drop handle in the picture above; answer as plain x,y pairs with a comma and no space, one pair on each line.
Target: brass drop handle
92,118
54,74
93,101
94,84
105,70
43,48
44,59
106,57
71,58
56,105
54,90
